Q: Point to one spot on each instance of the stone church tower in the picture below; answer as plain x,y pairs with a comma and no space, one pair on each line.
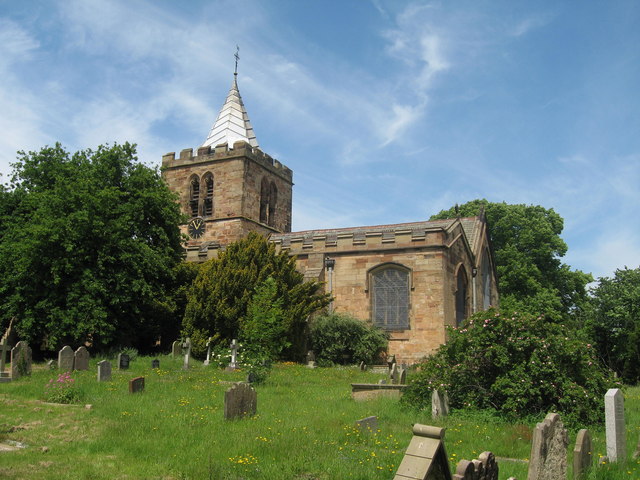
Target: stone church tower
230,187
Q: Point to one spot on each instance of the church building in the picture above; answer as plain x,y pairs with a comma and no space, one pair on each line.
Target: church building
410,279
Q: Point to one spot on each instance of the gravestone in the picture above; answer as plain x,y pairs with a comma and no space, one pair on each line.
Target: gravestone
51,365
394,375
104,371
234,356
20,360
4,348
65,359
155,363
484,467
582,458
391,360
548,460
81,359
207,361
311,359
402,376
239,401
439,404
252,377
425,457
368,424
136,385
186,349
614,425
176,349
123,361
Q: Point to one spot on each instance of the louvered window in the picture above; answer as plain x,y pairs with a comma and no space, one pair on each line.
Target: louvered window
390,297
194,197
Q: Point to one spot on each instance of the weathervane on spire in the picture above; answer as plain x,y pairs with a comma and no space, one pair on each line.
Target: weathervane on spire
237,55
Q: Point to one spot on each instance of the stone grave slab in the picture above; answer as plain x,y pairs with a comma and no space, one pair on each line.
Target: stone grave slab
66,359
241,400
104,371
81,359
136,385
367,425
425,458
548,460
368,391
582,456
20,360
614,425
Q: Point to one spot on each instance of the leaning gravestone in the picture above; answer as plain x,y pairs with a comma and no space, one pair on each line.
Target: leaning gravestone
614,425
484,468
367,425
65,359
81,359
104,371
239,401
123,361
20,360
439,404
136,385
548,460
51,365
425,457
582,457
176,349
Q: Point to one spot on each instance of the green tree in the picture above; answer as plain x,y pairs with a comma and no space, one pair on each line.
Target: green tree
218,299
518,365
527,251
614,322
88,247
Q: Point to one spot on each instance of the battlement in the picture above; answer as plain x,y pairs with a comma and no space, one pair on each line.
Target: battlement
222,152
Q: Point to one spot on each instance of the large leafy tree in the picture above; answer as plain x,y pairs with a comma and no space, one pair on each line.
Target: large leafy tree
527,251
614,322
88,247
219,298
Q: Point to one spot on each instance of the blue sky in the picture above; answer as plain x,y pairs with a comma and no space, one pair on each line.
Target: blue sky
387,111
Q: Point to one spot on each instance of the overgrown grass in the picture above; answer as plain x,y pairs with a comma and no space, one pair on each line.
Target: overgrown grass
304,429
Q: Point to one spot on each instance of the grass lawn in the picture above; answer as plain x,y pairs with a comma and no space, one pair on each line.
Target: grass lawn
304,429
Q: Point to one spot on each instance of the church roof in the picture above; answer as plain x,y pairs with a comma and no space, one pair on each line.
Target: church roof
232,123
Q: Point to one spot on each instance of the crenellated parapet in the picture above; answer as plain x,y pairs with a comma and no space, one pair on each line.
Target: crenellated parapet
221,153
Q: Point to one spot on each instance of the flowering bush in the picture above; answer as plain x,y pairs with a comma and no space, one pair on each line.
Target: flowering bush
517,365
62,390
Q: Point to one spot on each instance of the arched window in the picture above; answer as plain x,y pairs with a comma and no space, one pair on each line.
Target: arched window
462,288
273,199
486,280
194,195
264,200
390,297
208,195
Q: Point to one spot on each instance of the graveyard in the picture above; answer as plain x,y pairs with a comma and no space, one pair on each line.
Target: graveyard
153,418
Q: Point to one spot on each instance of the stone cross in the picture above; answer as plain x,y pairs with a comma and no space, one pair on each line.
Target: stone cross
425,457
81,359
548,460
234,355
208,359
187,353
439,404
614,425
20,360
65,359
239,401
582,457
104,371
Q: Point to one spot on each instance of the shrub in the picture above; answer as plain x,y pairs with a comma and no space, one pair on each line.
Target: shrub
342,339
518,365
62,390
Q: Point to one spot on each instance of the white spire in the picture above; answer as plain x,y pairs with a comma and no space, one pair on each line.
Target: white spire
232,123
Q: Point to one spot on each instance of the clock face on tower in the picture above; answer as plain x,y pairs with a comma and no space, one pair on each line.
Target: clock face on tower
196,227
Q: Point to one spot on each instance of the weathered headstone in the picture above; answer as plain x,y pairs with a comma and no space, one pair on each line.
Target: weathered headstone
239,401
20,360
136,385
234,356
176,349
439,404
186,350
155,363
51,365
4,348
394,375
402,376
614,425
582,457
425,458
368,424
81,359
548,460
252,377
207,361
311,359
123,361
65,359
363,366
104,371
484,467
391,360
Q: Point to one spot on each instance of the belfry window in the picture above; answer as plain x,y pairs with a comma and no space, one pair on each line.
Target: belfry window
194,196
462,288
208,195
273,199
264,200
390,297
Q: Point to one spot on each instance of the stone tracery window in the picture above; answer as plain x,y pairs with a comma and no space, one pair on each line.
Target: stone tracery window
486,280
390,296
462,289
